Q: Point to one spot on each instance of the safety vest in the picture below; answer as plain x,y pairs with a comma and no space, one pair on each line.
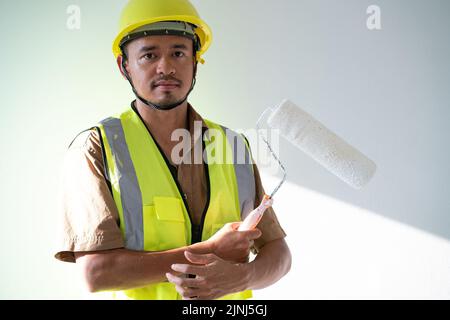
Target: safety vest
153,214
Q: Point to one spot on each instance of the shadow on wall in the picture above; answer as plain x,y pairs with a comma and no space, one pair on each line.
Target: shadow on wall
384,91
399,197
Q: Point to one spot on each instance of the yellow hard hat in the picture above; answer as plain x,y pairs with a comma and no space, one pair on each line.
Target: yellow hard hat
138,13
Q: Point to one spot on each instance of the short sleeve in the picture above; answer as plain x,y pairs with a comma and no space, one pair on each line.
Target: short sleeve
88,214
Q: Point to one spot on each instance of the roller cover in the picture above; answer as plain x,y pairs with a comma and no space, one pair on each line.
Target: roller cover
323,145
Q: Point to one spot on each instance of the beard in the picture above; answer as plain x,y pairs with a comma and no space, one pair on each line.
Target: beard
167,101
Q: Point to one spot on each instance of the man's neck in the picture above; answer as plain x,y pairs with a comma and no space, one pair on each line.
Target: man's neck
162,123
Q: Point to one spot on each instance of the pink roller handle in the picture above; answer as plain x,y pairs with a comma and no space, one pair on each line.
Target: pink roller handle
255,216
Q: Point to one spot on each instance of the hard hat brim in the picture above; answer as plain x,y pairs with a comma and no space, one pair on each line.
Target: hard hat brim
202,30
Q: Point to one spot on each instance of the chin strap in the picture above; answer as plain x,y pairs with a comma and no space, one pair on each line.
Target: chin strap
150,104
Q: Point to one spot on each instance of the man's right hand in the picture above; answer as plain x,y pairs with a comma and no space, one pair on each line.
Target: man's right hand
230,244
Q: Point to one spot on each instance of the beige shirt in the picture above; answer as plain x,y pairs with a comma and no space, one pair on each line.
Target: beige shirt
90,219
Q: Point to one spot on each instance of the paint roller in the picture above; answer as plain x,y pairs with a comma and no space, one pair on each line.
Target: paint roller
317,141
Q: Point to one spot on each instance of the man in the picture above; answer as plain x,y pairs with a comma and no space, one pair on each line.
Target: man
143,224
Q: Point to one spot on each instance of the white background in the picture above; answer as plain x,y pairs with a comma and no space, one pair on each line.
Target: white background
386,92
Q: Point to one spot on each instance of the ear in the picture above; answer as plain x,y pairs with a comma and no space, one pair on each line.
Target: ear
195,68
119,64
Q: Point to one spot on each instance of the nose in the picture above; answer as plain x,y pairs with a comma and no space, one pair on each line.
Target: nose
164,66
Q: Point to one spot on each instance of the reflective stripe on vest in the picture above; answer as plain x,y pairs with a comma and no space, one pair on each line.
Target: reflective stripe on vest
244,171
152,213
130,194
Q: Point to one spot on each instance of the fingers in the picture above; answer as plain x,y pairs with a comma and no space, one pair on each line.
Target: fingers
185,282
188,288
213,278
188,293
200,258
194,293
189,269
252,234
234,225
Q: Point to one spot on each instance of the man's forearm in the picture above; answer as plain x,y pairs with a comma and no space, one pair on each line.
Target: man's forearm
122,269
272,263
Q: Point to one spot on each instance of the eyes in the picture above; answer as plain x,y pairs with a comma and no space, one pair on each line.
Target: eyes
179,54
150,56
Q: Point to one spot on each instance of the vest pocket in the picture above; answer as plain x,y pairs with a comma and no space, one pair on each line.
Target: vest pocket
164,224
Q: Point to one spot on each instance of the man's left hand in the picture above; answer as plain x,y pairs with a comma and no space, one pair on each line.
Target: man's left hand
214,277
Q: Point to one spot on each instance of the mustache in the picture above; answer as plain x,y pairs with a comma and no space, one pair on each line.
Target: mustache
155,82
